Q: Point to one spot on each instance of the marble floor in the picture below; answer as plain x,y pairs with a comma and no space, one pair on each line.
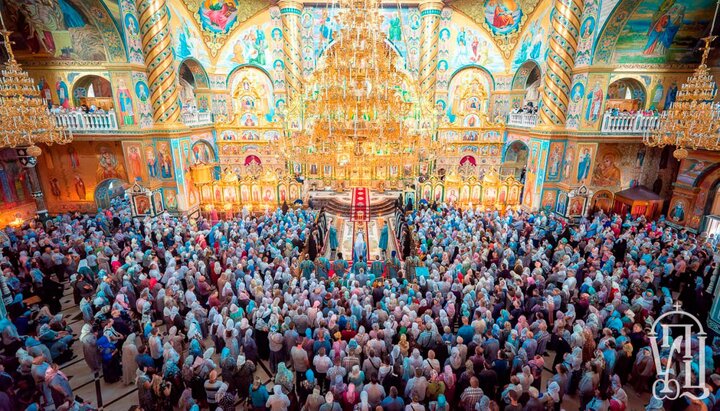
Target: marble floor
119,397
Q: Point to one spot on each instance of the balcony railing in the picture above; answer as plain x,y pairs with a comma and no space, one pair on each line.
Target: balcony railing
200,118
522,119
624,123
90,122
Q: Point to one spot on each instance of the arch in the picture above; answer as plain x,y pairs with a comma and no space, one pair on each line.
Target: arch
705,173
486,73
92,89
191,69
202,153
525,75
468,159
233,73
107,190
626,93
518,147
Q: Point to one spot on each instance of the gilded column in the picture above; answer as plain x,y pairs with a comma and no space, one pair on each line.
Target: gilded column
290,12
157,45
430,11
555,90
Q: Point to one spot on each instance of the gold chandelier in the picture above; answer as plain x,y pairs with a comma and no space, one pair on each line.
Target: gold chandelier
693,120
360,105
24,114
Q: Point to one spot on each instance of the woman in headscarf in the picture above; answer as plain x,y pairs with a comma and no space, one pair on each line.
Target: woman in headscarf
338,386
129,365
357,377
449,379
250,347
58,384
110,360
224,399
306,387
349,398
244,376
90,349
553,396
228,366
284,378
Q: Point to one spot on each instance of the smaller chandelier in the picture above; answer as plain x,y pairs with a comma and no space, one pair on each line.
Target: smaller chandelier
24,114
693,120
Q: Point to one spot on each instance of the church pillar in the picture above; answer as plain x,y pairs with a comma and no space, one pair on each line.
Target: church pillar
157,45
430,11
555,89
290,12
29,162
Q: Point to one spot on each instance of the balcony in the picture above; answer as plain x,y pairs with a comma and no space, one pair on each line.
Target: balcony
522,119
195,119
626,123
78,121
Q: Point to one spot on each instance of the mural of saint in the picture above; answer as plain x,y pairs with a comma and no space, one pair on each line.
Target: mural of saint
594,103
218,16
584,165
607,173
80,187
165,160
395,32
73,157
555,158
664,26
134,159
671,96
678,212
55,187
151,161
125,100
62,92
108,166
502,15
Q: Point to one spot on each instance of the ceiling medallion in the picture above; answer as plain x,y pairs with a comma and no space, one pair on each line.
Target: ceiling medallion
503,19
218,18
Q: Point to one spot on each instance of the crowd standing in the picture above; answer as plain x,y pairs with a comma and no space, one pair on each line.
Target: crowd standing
189,311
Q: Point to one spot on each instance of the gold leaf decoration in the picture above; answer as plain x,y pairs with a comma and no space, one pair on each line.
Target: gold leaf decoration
218,19
506,26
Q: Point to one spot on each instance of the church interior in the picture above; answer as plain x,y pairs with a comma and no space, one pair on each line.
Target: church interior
368,110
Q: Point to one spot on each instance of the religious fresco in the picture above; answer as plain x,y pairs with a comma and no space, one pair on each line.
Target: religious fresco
187,41
402,28
15,187
593,101
464,44
548,199
555,161
142,94
71,173
131,27
124,99
503,19
607,170
577,97
690,170
585,158
135,163
218,18
534,43
589,28
678,210
663,31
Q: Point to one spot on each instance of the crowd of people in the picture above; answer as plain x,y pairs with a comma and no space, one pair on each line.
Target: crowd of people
191,312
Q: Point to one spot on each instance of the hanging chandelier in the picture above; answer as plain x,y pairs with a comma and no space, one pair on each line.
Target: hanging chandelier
24,114
360,105
693,120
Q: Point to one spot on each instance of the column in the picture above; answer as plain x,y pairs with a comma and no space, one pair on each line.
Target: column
29,161
430,11
157,45
290,12
555,88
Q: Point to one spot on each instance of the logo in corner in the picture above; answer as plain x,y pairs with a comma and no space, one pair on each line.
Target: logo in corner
686,328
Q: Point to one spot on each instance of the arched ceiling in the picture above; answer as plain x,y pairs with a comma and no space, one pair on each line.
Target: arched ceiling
655,32
55,29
